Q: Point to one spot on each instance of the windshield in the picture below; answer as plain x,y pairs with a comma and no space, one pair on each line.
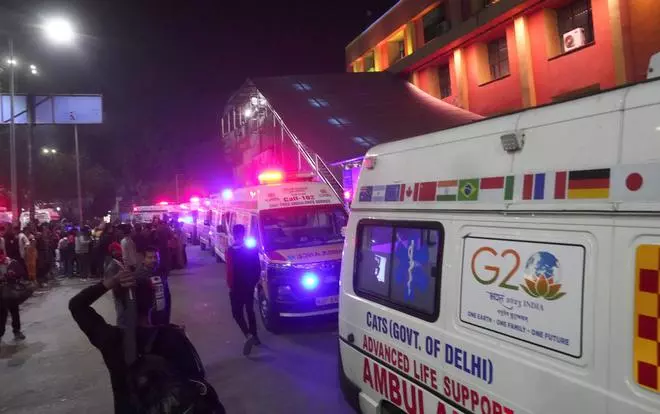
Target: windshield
288,228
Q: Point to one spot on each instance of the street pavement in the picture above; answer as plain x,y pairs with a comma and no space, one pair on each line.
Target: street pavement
56,370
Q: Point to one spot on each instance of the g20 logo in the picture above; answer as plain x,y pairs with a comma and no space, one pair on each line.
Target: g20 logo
542,277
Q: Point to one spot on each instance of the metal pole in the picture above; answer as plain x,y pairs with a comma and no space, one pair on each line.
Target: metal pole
12,136
80,203
31,115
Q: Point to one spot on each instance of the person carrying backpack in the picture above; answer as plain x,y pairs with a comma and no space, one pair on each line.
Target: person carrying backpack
243,272
153,368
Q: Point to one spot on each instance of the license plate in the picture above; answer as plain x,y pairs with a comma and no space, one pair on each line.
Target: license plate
328,300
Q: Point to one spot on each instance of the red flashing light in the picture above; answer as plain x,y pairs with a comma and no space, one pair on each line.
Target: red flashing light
163,203
194,200
227,194
347,195
272,176
135,208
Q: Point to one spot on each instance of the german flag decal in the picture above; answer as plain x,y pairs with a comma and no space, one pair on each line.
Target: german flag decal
646,346
589,184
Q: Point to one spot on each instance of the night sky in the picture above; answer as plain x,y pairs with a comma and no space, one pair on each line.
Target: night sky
165,67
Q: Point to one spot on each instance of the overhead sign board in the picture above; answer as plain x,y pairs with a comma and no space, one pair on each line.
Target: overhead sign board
56,109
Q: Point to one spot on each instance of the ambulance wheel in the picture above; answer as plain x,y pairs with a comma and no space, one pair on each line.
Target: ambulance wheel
269,317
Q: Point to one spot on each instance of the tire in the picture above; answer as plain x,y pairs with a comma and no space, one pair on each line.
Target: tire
269,317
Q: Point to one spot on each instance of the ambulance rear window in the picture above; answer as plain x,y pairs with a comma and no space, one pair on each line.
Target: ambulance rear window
398,264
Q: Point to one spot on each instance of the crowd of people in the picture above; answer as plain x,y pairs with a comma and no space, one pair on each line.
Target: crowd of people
153,366
36,254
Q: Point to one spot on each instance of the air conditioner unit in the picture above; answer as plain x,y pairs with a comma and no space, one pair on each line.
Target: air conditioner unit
574,39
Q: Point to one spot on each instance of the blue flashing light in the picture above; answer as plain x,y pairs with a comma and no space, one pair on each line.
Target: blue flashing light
310,281
250,242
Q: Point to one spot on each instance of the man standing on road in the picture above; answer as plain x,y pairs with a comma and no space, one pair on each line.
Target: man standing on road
149,272
243,271
128,249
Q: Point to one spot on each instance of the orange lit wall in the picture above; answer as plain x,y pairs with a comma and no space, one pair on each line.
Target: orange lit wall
574,70
643,29
497,96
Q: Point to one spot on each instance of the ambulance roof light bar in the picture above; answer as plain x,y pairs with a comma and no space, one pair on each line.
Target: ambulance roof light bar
271,177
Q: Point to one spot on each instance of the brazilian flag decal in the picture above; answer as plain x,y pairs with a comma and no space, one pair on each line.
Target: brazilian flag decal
468,190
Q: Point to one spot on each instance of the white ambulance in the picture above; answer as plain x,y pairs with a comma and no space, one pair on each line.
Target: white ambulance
510,266
146,214
209,212
297,228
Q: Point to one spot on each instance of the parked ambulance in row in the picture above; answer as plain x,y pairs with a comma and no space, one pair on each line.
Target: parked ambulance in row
297,227
146,214
510,266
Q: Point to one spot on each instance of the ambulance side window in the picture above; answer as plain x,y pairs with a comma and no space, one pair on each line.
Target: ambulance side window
398,264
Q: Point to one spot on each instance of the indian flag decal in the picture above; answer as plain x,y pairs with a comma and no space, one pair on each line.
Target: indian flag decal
447,190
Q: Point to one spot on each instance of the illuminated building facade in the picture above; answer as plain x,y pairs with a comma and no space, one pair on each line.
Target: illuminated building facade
497,56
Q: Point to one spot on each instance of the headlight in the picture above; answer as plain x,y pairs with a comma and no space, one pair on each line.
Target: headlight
310,281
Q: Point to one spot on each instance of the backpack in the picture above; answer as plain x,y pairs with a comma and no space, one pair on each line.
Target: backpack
155,386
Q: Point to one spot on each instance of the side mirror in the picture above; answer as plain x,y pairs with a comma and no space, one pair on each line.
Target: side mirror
219,228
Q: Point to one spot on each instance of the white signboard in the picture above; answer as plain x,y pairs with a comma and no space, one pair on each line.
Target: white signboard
295,196
530,291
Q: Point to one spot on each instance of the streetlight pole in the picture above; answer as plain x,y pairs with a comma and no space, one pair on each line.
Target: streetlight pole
12,134
80,203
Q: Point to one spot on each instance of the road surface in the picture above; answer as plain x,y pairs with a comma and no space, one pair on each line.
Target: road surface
56,370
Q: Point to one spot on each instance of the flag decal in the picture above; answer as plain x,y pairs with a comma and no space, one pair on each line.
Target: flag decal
589,184
468,190
634,181
447,190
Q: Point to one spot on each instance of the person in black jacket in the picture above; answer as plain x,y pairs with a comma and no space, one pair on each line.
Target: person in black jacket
170,342
243,272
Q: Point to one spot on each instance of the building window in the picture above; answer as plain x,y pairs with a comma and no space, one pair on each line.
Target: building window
366,142
339,122
498,58
370,62
445,81
318,102
398,264
436,22
301,86
466,9
396,49
573,16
